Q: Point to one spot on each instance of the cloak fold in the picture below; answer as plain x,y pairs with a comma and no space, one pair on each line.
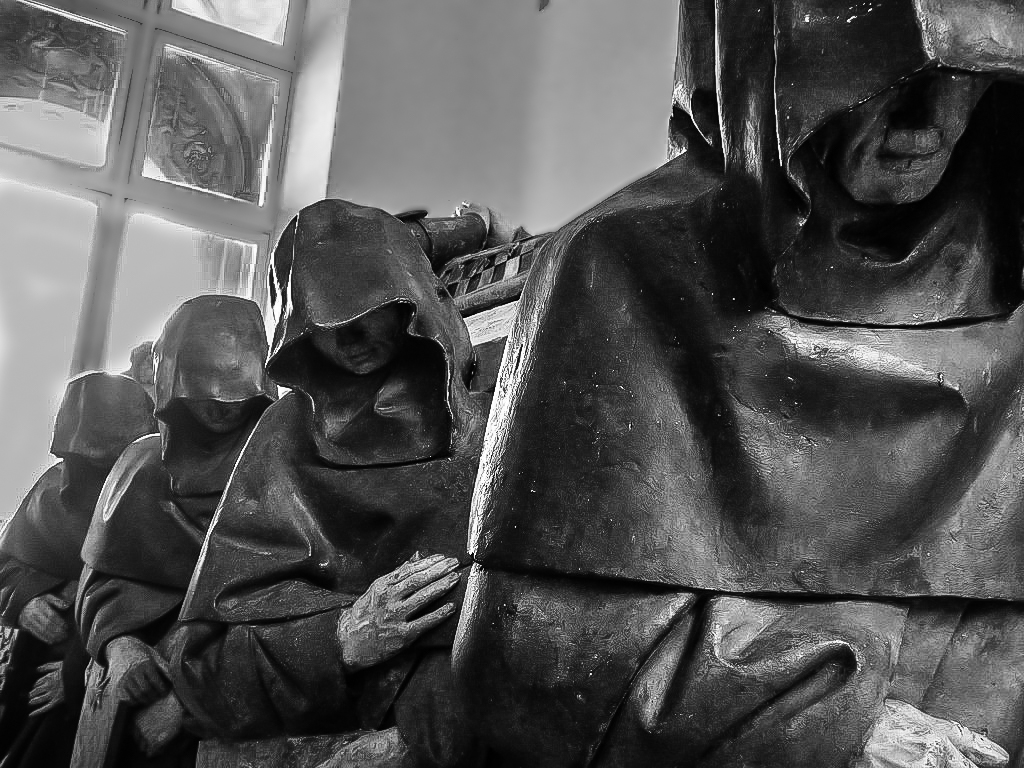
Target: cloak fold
159,499
344,479
751,469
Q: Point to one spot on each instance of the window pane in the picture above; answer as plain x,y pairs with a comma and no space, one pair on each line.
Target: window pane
58,77
163,264
264,19
211,126
43,268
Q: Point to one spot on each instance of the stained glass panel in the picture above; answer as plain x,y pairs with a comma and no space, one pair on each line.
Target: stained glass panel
265,19
59,74
163,264
211,126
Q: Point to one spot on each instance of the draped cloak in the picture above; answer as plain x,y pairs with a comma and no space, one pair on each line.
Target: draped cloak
734,493
159,499
100,415
345,478
152,516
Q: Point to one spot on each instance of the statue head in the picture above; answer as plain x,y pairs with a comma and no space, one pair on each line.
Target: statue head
209,365
141,368
756,79
366,344
895,147
855,130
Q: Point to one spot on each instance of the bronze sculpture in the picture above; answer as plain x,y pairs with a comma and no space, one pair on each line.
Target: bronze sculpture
156,506
751,493
100,415
141,368
319,605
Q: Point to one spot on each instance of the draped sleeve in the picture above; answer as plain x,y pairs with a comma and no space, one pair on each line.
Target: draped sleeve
32,562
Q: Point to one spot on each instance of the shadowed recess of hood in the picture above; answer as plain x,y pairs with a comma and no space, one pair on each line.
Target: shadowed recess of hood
756,79
336,262
212,347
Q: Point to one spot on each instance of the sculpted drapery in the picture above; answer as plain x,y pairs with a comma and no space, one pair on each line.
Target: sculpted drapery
753,470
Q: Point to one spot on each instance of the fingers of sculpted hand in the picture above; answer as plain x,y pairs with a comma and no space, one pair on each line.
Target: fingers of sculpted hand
156,725
377,626
136,670
48,692
905,737
43,618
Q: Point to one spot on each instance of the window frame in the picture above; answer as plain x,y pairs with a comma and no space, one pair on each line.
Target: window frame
118,187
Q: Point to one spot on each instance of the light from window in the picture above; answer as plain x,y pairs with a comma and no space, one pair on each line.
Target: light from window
47,239
59,74
164,264
264,19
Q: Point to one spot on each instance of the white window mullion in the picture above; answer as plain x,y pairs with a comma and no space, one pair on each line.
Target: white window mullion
98,294
123,191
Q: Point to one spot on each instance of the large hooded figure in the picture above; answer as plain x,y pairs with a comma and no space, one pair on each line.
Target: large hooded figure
355,483
751,493
157,503
40,564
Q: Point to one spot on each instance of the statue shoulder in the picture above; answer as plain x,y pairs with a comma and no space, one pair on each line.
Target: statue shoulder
681,231
279,421
669,213
141,457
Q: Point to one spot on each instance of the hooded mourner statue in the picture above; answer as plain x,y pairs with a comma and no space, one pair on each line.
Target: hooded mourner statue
326,596
40,563
751,493
156,506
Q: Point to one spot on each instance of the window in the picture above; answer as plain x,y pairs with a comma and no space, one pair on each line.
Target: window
168,117
141,153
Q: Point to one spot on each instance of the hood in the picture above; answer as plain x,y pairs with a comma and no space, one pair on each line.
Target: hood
336,262
101,415
757,79
212,348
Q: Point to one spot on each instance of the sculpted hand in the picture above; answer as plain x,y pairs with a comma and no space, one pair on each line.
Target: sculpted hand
41,617
48,692
156,726
376,749
905,737
377,626
137,671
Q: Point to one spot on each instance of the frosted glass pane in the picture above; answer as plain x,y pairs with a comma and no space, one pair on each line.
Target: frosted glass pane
211,126
59,74
264,19
43,271
163,264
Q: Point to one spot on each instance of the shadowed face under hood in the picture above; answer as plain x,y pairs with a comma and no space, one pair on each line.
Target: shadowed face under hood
760,86
209,356
337,267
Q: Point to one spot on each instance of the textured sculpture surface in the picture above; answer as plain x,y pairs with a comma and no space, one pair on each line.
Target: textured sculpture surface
345,521
750,493
40,563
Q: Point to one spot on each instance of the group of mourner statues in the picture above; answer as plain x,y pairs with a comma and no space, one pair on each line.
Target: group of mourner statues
749,490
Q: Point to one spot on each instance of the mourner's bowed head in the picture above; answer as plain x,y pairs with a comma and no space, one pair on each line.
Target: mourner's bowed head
357,483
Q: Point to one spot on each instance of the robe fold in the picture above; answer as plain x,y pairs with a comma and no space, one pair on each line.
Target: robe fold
156,505
745,477
100,415
341,482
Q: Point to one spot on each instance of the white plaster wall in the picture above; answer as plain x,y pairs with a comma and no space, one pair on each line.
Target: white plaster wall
536,114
